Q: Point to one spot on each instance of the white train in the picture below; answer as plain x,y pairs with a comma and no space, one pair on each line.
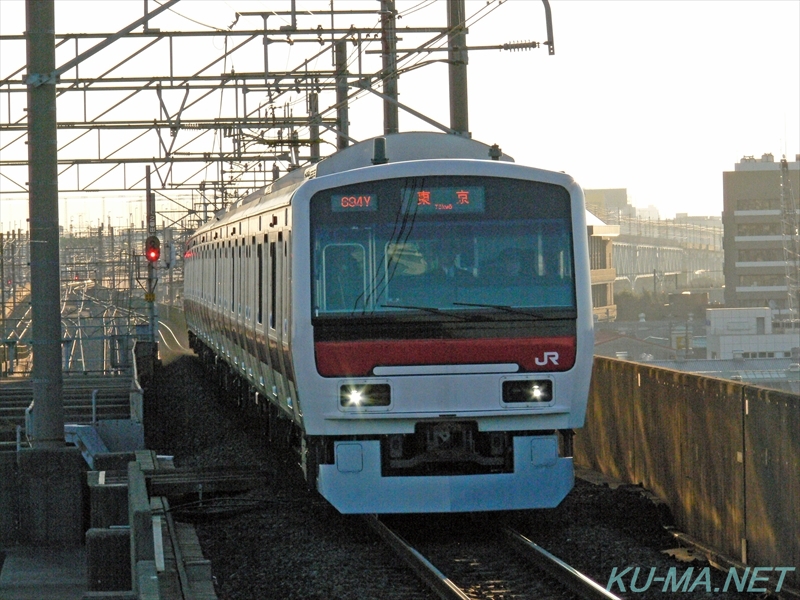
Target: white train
423,323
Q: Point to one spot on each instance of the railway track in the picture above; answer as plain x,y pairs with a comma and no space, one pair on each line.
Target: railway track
481,566
299,547
570,577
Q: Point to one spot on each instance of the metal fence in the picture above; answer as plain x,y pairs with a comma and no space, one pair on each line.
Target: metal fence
724,456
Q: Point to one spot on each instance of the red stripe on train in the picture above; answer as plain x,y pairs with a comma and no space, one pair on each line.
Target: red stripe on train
358,358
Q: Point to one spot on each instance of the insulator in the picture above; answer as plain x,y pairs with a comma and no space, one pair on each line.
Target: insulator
520,45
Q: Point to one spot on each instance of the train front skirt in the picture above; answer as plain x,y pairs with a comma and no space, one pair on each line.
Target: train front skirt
354,484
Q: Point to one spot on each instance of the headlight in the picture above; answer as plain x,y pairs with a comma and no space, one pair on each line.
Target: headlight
364,395
527,391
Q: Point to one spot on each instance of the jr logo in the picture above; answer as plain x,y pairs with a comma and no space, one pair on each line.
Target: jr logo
548,357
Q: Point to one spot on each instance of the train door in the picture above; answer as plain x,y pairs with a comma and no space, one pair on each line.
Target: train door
274,318
210,283
280,321
245,311
241,299
236,304
203,285
225,301
215,302
266,380
252,279
232,298
244,287
230,303
286,329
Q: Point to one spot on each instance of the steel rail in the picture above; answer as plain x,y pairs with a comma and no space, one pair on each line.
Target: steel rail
433,577
576,581
180,565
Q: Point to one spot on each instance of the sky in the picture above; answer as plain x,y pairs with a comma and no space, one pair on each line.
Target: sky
656,97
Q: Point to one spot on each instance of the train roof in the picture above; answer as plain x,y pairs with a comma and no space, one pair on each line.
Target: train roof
416,145
399,147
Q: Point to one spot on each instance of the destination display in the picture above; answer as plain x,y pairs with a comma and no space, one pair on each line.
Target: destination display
354,202
469,199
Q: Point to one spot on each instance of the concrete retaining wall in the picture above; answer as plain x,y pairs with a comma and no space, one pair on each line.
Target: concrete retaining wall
51,509
724,456
9,501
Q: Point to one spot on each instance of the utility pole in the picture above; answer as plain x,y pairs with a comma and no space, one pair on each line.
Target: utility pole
101,271
43,206
342,116
313,128
457,66
13,278
169,261
152,280
391,122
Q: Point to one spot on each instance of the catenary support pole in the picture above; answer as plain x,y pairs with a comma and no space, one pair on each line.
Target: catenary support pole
391,121
43,207
457,66
342,113
313,128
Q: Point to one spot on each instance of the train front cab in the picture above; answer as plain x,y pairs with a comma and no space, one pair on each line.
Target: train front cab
386,314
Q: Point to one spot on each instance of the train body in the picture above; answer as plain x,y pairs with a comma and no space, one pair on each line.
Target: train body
424,326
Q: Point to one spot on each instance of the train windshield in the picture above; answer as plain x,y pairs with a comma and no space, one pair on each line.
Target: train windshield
442,247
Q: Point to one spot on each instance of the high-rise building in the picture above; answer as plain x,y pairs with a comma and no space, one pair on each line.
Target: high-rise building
760,219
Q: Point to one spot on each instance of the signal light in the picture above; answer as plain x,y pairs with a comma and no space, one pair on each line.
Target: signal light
152,249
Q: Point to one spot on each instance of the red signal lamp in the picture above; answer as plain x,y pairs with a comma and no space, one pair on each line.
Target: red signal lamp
152,249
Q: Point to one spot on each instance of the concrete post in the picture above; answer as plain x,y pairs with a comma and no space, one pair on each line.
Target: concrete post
313,128
342,116
391,123
457,66
43,206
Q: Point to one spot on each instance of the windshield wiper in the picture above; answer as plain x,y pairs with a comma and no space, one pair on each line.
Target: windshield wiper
516,311
428,309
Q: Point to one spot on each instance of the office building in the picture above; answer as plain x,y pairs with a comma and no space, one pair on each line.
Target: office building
760,221
602,267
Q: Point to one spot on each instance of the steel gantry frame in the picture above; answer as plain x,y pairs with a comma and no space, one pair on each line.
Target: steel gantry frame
210,132
97,112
